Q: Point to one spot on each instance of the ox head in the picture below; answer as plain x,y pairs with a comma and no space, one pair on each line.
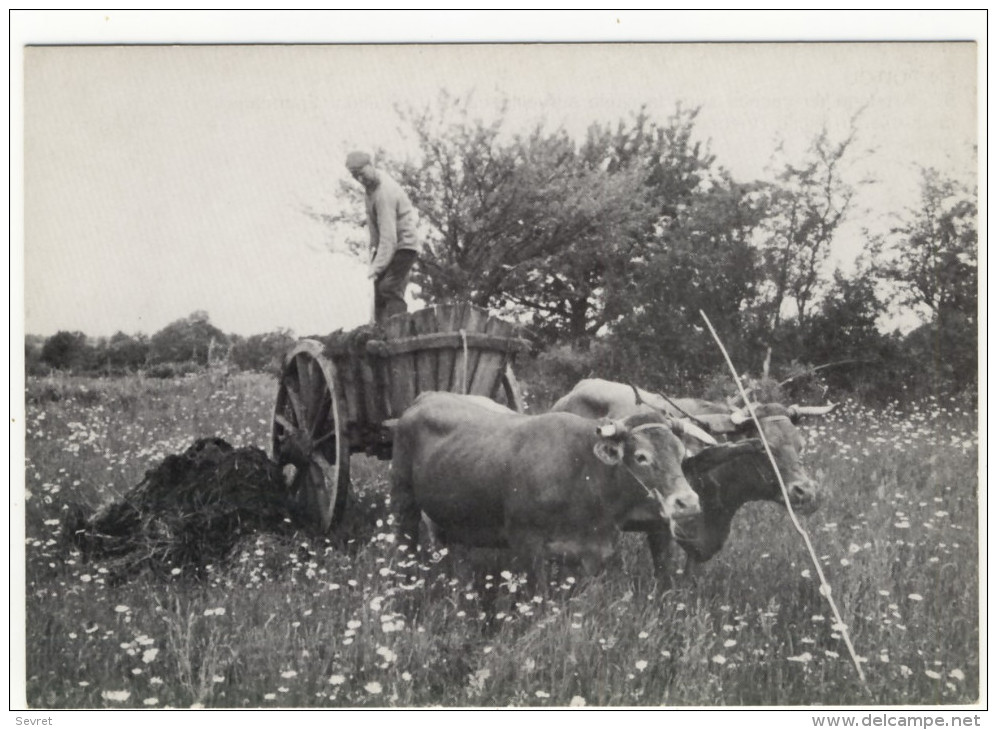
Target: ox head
778,424
647,453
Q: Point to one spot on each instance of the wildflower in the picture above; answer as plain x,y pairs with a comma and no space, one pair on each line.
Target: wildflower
477,680
406,676
932,673
905,670
802,658
149,655
116,695
150,701
957,674
386,654
176,571
541,694
337,679
916,597
353,624
283,689
642,635
217,679
373,688
832,654
577,701
719,659
270,696
86,578
805,573
729,643
155,680
641,664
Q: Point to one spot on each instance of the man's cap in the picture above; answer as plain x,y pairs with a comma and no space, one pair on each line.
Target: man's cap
356,160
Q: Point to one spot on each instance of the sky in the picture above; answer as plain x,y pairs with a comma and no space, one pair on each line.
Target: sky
161,180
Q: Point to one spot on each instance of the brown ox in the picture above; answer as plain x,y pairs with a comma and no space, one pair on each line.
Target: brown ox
724,477
548,485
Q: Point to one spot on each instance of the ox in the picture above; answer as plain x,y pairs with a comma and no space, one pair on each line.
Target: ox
725,477
554,485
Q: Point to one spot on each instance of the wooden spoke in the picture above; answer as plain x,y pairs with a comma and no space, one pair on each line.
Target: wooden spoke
308,433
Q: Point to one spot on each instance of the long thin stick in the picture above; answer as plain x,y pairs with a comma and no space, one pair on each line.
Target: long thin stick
825,587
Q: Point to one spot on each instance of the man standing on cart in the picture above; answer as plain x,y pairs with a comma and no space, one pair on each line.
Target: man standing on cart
392,220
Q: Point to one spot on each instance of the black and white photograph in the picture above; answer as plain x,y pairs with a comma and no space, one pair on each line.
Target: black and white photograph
524,360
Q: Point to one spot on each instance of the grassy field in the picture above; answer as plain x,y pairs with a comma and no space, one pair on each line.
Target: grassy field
308,622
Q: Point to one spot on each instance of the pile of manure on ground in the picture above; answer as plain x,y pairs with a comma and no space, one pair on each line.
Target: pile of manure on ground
190,510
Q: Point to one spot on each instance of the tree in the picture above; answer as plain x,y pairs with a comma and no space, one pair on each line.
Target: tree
186,340
127,352
704,260
528,224
263,352
67,351
932,260
808,203
932,255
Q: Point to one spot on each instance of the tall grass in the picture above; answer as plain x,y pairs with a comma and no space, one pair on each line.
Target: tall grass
345,621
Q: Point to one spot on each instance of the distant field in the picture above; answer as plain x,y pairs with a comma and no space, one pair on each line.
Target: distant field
302,623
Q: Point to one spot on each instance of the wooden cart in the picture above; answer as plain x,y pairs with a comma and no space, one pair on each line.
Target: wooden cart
339,395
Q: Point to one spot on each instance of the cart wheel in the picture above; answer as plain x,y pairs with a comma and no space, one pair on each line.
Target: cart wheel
510,387
308,440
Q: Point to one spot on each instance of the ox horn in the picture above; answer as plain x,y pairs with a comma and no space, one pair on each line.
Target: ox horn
611,429
697,433
796,410
638,401
742,415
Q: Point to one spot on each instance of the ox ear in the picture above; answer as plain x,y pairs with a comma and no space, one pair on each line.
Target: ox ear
608,452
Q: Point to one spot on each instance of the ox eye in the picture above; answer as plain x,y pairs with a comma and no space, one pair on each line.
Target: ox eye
642,458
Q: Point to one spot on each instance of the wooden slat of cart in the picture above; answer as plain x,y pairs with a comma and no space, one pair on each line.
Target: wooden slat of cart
446,321
488,371
424,322
373,410
348,373
351,387
398,370
472,319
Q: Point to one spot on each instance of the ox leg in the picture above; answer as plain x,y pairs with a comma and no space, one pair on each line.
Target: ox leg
689,570
660,543
407,513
